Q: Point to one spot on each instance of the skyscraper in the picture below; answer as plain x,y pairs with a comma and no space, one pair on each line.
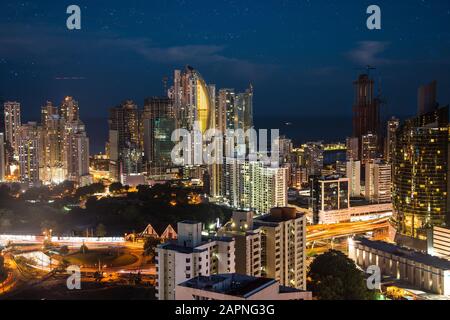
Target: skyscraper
69,110
248,246
392,127
366,108
77,154
283,239
378,182
369,148
123,138
12,125
421,174
193,100
353,173
313,155
51,161
28,151
159,123
252,185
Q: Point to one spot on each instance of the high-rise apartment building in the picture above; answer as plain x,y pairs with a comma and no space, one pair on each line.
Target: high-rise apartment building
159,122
194,100
53,168
190,256
378,182
369,148
392,126
69,110
353,148
77,154
283,238
421,174
124,139
252,185
248,246
28,151
12,125
313,157
353,173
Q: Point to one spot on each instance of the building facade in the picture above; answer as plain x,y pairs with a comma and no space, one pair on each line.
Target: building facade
421,174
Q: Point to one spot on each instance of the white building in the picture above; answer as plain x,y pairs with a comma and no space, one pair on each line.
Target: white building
283,239
420,270
228,287
353,173
190,256
378,184
252,185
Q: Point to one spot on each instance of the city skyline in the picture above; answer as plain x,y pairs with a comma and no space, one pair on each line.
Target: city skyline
235,150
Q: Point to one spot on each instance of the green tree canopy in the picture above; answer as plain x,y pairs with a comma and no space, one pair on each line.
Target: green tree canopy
333,276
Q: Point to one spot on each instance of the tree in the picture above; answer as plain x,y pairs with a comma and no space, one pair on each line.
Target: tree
150,246
115,187
333,276
100,231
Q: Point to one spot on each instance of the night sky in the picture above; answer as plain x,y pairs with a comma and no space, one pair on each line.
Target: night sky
301,56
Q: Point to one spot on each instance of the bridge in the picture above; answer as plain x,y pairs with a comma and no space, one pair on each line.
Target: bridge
343,230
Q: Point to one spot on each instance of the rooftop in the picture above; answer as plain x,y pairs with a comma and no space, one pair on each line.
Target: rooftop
230,284
413,255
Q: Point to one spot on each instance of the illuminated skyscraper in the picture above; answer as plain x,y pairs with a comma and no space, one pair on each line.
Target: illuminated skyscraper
353,148
369,148
28,149
392,127
252,185
193,100
123,138
421,174
69,110
12,125
378,182
313,155
52,163
159,123
77,154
